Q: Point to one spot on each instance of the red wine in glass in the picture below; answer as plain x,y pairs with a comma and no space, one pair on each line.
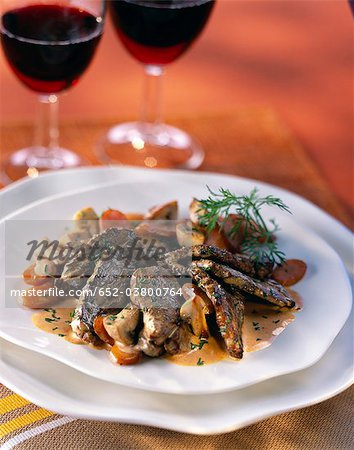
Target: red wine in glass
159,33
155,33
49,46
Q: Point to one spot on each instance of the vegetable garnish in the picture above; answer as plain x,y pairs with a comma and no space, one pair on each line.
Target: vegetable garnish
200,362
258,242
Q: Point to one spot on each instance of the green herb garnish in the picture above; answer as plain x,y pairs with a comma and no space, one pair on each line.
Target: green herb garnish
258,241
62,335
200,362
199,346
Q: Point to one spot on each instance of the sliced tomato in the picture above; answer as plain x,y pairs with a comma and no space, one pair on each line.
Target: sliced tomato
30,277
290,272
101,332
112,218
124,358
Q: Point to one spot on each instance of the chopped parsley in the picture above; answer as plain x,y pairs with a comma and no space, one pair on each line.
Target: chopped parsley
61,335
200,362
199,346
55,328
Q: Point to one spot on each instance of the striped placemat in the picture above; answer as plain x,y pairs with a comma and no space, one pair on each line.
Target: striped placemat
24,426
22,420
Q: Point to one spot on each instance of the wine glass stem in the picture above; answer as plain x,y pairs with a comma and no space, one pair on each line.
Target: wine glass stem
152,94
47,132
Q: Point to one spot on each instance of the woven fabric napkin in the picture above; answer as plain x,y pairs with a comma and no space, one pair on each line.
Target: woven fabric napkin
252,143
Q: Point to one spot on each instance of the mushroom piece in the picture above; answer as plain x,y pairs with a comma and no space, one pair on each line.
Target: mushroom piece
189,234
167,211
196,211
194,310
48,268
190,290
121,327
153,229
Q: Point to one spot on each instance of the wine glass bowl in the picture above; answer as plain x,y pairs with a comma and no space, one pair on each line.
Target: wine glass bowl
158,32
155,33
48,45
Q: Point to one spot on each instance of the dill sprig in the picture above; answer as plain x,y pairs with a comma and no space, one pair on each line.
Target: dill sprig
259,242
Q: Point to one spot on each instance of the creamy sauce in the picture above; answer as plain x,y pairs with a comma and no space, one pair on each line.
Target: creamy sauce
262,324
56,321
202,352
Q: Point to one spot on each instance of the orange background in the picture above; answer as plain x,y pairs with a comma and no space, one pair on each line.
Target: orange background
293,55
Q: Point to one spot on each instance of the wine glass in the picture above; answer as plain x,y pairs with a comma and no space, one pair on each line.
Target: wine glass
48,45
156,33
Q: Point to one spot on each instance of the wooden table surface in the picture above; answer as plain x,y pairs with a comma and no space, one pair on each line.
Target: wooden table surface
294,56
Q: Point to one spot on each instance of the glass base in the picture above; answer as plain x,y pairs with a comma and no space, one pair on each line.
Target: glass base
33,160
150,145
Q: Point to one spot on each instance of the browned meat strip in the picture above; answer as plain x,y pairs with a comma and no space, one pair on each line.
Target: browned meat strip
229,310
175,259
269,291
178,260
234,260
160,312
79,269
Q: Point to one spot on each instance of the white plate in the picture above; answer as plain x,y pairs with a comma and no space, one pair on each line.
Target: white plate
81,396
301,345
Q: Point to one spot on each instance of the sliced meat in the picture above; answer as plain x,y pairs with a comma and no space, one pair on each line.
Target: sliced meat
81,266
229,310
107,285
148,347
179,341
105,289
269,291
178,261
243,263
160,312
